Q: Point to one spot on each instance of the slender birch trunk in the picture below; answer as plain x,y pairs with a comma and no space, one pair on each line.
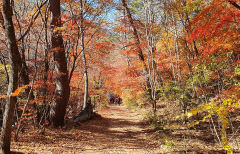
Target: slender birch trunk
85,98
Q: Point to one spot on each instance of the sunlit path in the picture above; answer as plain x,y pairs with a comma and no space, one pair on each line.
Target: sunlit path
118,130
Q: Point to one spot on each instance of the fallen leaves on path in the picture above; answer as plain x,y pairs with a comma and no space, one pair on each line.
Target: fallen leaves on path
117,130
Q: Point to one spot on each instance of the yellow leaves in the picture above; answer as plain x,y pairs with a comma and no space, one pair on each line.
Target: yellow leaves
36,10
197,122
228,149
60,29
165,43
192,112
33,12
47,137
224,121
158,45
193,5
209,106
229,101
206,117
215,108
195,111
221,109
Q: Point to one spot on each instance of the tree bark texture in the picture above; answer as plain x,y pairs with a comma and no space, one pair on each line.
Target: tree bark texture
58,107
13,77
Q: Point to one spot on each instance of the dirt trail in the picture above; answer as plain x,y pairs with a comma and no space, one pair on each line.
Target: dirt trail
121,130
118,130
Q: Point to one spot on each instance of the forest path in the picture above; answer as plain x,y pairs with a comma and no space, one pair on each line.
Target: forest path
118,130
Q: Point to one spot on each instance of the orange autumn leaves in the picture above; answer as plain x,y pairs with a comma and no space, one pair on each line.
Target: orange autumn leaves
16,92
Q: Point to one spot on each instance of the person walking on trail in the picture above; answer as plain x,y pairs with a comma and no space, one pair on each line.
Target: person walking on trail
111,100
120,101
116,100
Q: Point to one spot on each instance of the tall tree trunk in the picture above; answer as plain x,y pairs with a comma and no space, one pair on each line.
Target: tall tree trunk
44,91
149,21
125,39
85,99
13,77
58,107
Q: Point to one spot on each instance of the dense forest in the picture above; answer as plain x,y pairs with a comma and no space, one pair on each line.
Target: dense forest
175,62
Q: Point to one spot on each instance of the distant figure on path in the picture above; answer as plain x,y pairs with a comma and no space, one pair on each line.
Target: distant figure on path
116,100
120,101
111,100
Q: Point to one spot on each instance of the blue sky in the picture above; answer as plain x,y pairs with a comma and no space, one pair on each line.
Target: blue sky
111,15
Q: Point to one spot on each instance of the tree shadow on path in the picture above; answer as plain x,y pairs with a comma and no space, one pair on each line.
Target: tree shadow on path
116,129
